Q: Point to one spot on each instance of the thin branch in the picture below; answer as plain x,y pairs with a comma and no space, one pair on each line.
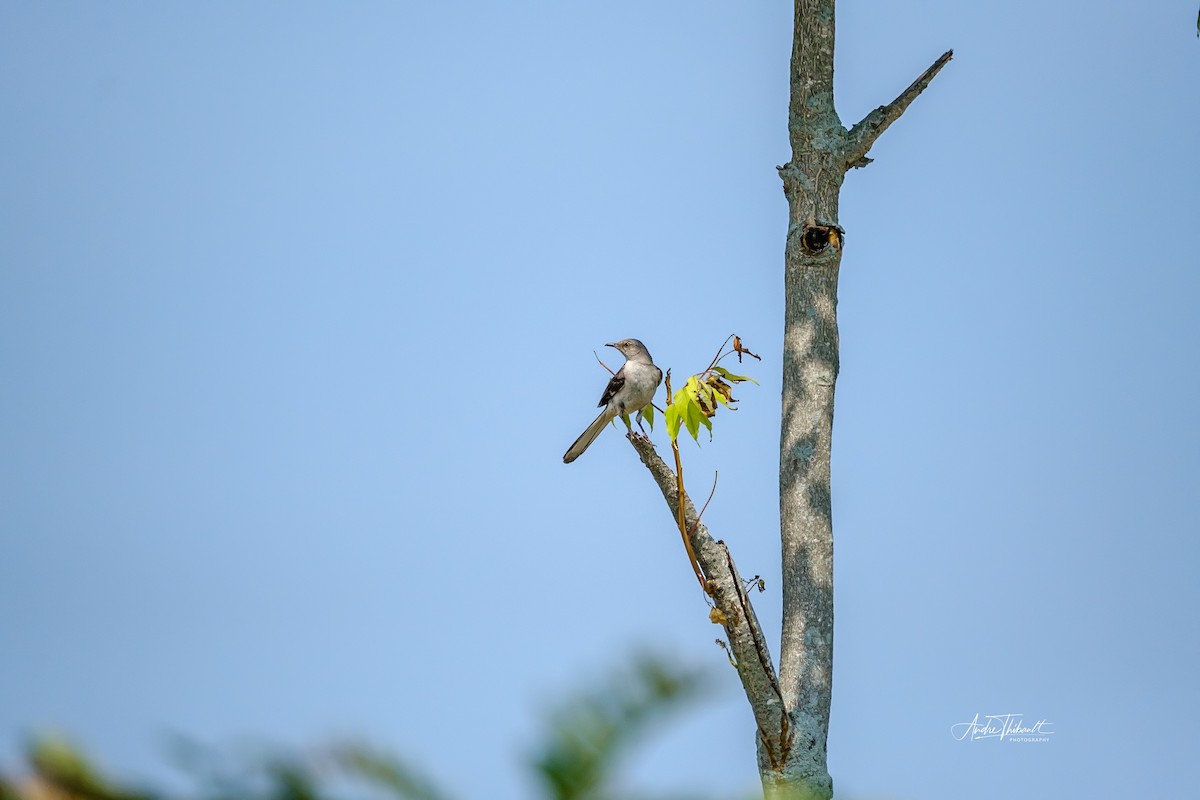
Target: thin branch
704,507
721,352
863,135
682,495
606,366
681,519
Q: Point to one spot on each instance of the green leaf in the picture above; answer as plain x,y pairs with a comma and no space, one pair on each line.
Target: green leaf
727,375
648,414
674,417
692,415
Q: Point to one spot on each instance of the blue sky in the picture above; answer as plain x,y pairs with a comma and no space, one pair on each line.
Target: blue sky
266,270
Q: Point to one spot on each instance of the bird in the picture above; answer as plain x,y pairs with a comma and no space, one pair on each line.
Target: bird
630,390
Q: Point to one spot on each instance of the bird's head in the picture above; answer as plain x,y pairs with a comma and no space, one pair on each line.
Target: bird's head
629,347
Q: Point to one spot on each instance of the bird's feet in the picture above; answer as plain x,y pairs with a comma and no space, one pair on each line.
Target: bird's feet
634,436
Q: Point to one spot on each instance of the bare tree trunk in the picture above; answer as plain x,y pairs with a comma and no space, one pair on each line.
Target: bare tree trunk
791,708
812,180
822,152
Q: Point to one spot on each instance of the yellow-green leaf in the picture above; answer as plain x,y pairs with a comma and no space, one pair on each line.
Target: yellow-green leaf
694,417
674,417
731,377
691,417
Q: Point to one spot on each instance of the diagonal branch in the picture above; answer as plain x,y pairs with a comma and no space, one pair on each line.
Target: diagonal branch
863,135
736,614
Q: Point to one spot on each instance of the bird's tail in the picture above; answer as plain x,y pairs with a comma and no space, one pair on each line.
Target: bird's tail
588,436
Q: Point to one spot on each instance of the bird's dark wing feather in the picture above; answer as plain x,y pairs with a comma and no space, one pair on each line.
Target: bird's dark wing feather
614,386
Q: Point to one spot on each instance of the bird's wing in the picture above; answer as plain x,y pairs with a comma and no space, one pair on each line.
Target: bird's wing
614,386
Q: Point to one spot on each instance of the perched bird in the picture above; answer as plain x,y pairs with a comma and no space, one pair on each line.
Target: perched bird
629,391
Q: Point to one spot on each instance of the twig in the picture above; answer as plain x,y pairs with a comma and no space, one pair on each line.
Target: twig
863,135
683,526
597,355
704,507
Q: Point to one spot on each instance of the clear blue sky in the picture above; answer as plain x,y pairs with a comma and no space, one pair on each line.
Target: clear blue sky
266,268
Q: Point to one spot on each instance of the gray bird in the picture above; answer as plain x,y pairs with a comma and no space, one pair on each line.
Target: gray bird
629,391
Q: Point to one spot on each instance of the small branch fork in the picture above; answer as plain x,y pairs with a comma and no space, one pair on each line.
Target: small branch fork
862,136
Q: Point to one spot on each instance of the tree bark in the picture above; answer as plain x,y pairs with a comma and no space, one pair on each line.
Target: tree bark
812,181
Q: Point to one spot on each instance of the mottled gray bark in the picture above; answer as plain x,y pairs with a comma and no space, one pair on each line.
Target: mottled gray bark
822,151
791,708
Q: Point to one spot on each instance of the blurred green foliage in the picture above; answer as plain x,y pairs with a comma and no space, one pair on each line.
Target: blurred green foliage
577,759
588,734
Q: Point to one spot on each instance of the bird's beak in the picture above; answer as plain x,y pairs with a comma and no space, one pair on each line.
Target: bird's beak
610,344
